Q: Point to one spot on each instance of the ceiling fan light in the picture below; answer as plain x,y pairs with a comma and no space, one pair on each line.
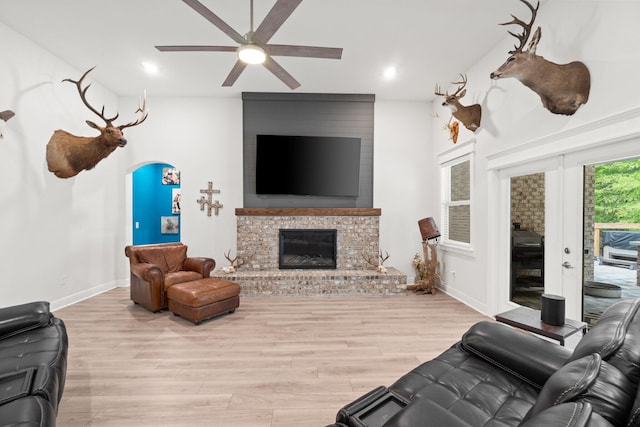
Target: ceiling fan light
251,54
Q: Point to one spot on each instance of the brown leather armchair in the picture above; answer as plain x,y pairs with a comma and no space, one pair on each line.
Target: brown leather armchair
155,268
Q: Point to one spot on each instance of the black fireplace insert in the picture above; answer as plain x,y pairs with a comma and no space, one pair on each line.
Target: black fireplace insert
310,249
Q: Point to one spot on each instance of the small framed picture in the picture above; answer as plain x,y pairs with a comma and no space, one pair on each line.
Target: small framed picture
170,176
169,224
175,201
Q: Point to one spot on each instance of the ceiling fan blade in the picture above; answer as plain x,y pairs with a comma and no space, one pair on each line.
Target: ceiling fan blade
234,73
215,20
281,73
197,48
274,19
304,51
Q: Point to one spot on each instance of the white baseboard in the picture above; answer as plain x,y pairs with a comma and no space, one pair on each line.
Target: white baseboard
80,296
465,299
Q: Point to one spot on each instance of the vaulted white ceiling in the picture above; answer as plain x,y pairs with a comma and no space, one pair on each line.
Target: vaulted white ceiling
428,41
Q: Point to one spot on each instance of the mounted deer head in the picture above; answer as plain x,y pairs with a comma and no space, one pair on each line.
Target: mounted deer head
469,115
5,116
68,155
563,88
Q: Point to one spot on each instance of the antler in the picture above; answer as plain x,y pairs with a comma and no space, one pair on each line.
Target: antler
235,262
383,259
463,83
438,91
368,260
83,96
526,27
142,109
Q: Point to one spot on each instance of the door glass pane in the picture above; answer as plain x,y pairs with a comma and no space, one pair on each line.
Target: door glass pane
611,235
527,239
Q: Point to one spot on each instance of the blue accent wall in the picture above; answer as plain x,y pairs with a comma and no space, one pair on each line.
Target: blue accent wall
151,201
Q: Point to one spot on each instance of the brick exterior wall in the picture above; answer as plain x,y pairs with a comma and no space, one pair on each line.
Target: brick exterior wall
527,202
589,209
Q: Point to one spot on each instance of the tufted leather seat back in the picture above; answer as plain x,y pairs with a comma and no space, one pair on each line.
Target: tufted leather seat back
168,257
616,338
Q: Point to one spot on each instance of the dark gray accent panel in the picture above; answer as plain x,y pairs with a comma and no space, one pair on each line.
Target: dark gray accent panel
309,115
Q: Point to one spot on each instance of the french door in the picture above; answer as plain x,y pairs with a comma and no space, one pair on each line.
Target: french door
531,197
562,158
565,253
589,277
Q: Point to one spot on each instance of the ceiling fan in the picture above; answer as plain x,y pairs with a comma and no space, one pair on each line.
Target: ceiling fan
253,47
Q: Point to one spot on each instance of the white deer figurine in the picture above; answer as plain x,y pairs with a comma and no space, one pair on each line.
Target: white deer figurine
563,88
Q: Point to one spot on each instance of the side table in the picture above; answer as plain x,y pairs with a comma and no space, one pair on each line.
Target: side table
528,319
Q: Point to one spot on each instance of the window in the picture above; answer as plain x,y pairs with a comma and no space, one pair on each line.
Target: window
456,194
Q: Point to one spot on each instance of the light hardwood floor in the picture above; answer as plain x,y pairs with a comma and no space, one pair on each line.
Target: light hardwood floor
275,362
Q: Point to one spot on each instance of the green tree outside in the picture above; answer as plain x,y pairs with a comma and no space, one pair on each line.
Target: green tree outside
617,192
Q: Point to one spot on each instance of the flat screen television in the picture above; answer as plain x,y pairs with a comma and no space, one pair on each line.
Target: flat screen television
307,165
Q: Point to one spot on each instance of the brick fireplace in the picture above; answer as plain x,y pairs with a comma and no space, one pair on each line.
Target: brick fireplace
258,234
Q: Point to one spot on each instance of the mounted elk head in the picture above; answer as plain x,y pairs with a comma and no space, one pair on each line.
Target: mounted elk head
68,155
469,115
5,116
563,88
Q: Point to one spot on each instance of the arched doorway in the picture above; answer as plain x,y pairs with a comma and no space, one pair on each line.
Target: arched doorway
155,204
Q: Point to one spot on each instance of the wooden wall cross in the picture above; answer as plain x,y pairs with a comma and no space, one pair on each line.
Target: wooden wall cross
208,202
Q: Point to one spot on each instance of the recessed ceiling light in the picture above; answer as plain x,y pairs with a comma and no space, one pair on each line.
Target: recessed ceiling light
390,73
150,68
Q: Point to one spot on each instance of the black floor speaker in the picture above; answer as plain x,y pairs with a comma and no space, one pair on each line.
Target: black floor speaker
552,310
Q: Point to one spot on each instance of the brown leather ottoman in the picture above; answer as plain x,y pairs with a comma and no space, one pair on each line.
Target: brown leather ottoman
204,298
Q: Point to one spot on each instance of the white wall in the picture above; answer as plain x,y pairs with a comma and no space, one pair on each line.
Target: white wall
59,235
401,187
604,36
64,239
67,235
202,137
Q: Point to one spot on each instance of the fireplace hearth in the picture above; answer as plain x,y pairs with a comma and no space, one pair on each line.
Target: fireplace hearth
308,249
357,235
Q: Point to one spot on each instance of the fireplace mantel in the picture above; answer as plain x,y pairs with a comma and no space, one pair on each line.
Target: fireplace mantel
308,212
358,236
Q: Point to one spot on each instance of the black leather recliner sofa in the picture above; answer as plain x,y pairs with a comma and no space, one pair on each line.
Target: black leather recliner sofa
497,376
33,365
